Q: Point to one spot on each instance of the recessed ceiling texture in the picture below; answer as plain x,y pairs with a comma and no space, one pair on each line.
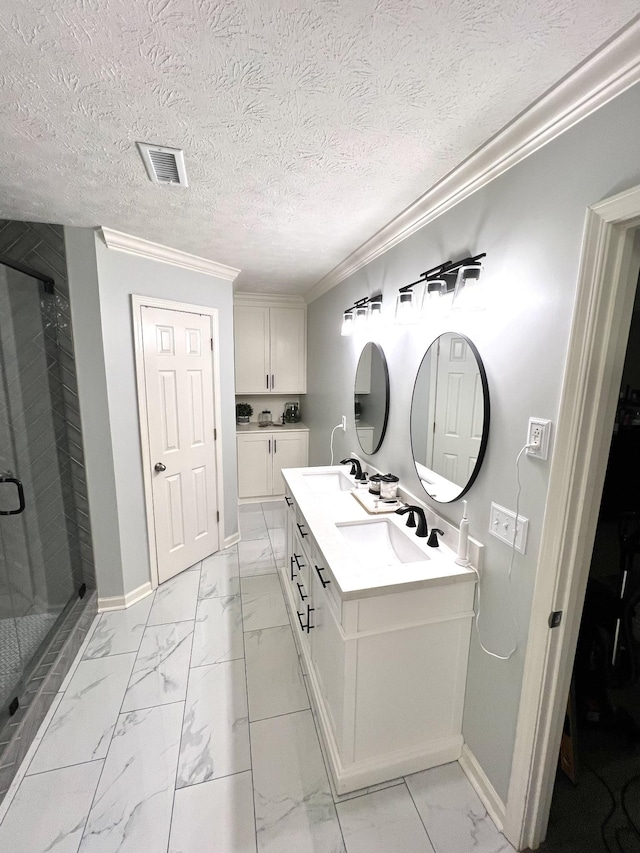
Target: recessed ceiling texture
306,126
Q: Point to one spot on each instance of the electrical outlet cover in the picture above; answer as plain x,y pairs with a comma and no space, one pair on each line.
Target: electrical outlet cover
543,426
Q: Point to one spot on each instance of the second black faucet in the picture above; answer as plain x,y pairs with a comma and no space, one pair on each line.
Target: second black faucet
422,530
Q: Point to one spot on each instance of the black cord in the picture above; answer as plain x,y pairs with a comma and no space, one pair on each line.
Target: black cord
623,803
612,811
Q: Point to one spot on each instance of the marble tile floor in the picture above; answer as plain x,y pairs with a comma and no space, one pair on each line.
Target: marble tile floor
185,727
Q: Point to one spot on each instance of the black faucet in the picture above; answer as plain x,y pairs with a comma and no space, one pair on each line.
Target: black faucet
356,468
422,530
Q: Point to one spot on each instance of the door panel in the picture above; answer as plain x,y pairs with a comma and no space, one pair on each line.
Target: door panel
288,360
179,390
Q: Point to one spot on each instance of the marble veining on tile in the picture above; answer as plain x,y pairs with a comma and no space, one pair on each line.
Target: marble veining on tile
274,514
82,726
218,631
274,680
214,817
49,811
215,731
256,557
131,811
161,669
294,808
382,821
175,599
252,525
451,810
263,603
120,631
219,576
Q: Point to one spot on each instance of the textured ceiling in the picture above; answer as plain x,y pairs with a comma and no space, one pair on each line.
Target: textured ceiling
306,126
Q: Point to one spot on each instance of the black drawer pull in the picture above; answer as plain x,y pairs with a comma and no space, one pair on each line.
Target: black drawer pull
293,574
302,627
297,558
319,570
301,531
288,500
302,596
310,610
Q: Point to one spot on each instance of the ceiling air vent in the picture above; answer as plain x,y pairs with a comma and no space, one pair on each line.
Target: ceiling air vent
163,165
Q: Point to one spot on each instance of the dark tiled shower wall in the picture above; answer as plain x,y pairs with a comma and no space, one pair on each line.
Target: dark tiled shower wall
41,247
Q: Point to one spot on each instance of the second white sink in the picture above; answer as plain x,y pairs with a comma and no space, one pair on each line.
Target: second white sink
381,543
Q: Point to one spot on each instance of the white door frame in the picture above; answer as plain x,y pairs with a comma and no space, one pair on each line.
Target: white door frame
597,346
137,303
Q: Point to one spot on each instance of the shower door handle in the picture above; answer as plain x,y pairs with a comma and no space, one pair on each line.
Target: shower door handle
21,508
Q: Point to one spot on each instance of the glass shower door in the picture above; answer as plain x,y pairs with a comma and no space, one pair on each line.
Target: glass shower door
37,577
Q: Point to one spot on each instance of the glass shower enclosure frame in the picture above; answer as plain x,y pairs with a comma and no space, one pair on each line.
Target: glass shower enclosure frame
41,571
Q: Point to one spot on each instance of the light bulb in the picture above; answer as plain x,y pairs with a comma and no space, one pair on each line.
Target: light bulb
468,295
406,308
347,323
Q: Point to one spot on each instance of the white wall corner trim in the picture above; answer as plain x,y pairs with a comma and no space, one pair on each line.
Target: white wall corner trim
606,74
482,786
120,602
165,254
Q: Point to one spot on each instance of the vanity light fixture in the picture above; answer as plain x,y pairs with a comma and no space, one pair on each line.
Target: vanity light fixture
366,311
458,277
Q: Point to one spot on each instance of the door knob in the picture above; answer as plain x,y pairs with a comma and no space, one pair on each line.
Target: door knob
160,467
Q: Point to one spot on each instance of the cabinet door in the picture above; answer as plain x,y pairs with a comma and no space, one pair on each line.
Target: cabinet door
288,350
255,475
251,347
328,651
290,450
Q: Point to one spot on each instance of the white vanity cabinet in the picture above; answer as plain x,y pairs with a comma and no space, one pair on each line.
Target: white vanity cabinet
270,349
263,453
386,671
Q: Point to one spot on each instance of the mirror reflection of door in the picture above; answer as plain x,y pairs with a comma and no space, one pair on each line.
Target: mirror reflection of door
449,417
457,427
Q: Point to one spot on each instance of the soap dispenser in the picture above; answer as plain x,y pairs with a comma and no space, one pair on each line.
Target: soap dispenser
462,558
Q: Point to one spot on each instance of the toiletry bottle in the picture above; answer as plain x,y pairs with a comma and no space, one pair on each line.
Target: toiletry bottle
462,558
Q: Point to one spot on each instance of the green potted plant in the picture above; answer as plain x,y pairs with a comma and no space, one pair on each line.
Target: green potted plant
243,412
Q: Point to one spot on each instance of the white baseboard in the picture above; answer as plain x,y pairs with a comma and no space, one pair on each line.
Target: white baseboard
231,540
482,786
120,602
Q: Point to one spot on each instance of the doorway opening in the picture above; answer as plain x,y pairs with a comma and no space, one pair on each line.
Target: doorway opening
596,800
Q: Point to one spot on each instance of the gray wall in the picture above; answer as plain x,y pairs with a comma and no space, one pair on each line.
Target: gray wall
530,223
101,287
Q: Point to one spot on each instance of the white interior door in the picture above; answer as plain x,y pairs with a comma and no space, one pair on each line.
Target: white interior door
178,375
459,411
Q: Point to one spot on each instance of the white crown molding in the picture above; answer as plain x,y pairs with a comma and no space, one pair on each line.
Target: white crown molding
283,300
606,74
156,252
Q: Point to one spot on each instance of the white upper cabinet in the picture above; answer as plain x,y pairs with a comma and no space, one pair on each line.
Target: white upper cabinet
251,343
270,349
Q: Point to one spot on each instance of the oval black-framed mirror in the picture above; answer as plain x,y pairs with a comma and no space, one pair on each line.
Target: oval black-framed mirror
450,415
371,398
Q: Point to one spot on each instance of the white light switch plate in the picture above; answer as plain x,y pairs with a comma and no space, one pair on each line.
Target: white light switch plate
502,524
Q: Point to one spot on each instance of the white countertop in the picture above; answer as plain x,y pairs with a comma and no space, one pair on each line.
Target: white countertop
355,577
255,427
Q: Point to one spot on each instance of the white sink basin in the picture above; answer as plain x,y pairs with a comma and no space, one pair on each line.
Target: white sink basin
328,481
381,543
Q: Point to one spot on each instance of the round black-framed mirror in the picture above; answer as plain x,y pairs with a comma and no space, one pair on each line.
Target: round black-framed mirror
450,414
371,398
